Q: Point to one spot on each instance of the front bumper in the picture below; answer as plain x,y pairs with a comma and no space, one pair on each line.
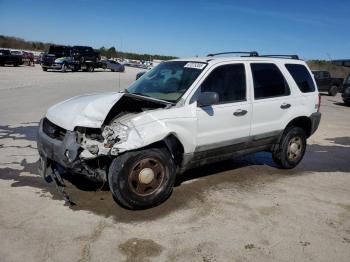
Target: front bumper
315,121
64,152
52,66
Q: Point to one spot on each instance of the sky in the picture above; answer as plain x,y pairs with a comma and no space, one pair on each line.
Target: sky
311,29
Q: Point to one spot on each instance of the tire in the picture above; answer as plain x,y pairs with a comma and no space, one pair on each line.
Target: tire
15,64
44,69
347,102
125,178
291,148
63,68
333,91
91,69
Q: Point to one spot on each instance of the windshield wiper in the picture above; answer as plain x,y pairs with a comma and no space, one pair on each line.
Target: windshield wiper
140,94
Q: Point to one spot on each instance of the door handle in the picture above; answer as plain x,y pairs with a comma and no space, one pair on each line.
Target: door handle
285,106
240,112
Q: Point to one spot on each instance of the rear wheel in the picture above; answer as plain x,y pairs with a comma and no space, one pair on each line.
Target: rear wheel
142,179
333,91
291,149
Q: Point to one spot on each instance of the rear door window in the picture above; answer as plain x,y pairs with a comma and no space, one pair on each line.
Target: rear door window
301,77
268,81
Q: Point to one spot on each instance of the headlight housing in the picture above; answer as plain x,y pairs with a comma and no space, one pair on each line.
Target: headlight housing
115,134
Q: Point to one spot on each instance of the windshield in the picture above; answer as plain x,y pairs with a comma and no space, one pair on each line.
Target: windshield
59,50
168,81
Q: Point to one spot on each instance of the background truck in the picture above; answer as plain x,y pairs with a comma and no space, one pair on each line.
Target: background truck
6,58
74,58
326,83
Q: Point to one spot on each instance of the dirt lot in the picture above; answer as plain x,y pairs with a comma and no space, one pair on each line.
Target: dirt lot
240,210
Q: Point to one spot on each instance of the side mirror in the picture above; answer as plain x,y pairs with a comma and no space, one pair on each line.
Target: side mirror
207,98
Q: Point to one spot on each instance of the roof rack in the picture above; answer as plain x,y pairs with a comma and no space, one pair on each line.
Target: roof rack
252,53
282,56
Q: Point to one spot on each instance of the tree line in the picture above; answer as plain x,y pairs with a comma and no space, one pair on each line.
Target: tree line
19,43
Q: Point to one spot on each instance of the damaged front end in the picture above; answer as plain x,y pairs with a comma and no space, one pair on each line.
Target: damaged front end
89,150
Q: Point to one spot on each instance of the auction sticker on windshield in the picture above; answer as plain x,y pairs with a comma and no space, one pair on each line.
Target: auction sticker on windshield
195,65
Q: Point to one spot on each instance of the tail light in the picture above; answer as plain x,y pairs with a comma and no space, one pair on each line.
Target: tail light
319,103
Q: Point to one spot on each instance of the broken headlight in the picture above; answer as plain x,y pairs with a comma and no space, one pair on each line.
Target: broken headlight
117,133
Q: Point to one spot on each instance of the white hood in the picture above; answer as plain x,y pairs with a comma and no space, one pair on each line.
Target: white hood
87,110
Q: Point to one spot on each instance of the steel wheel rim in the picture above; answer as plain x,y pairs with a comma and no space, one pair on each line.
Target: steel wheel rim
139,176
295,148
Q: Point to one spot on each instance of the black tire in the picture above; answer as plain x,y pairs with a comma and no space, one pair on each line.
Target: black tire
63,68
333,91
126,168
44,69
91,68
347,102
291,148
15,64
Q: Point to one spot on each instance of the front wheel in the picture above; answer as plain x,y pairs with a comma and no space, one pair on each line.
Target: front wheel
291,148
63,68
142,179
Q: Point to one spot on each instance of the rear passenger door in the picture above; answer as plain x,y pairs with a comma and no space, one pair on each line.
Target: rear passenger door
272,102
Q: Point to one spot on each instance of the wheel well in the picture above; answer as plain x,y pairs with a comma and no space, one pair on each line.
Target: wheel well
303,122
173,144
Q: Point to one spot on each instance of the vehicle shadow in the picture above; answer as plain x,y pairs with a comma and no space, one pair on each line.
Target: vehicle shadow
27,131
341,104
239,176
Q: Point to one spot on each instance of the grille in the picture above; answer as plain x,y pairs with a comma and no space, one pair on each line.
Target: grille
52,130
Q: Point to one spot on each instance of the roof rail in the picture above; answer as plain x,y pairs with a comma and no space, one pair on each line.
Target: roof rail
282,56
252,53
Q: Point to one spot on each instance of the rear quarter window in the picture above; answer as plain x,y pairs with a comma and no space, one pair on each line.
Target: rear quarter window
301,77
268,81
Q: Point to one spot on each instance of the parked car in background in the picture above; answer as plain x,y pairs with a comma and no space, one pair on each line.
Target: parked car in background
74,58
114,66
7,58
346,91
326,83
28,58
54,56
85,57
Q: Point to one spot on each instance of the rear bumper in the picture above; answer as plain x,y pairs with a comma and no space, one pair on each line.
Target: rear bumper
315,121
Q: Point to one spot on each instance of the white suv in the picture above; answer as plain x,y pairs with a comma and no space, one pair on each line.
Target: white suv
182,114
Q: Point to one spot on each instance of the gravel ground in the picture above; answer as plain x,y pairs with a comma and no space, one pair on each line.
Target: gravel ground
240,210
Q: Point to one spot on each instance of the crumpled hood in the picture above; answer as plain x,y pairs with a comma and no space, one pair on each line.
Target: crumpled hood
87,110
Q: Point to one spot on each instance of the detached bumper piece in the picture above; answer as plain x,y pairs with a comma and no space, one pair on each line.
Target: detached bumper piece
52,174
58,149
